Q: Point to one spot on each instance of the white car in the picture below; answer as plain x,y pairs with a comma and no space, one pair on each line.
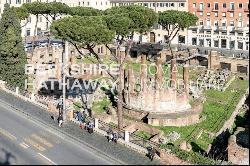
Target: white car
42,45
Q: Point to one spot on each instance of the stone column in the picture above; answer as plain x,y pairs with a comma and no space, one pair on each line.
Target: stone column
121,56
173,72
212,59
122,53
143,74
159,74
131,79
186,79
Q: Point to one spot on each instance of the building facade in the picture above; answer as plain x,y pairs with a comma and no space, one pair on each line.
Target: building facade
157,34
28,25
222,24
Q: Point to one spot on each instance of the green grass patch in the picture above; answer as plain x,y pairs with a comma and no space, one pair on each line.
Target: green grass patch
217,108
113,125
100,106
77,106
143,134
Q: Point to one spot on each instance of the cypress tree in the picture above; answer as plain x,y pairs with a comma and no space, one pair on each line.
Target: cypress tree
12,54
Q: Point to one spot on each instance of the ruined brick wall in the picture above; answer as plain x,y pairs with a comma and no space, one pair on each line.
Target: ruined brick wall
214,62
237,154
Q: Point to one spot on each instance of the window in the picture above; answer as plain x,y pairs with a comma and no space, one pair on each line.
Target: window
166,4
224,5
216,14
161,4
231,23
172,4
240,5
201,6
181,4
216,43
201,13
18,1
208,5
194,5
239,23
232,14
223,24
216,6
28,1
223,14
215,23
201,22
240,45
28,32
208,14
240,14
231,6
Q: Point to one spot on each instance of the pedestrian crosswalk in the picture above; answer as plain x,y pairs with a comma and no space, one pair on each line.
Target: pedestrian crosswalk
41,141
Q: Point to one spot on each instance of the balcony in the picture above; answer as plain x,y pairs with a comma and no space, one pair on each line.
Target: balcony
223,28
246,10
206,27
232,29
239,29
231,9
193,27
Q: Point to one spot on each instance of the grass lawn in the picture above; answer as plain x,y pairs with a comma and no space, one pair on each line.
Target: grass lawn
77,106
216,114
143,134
100,106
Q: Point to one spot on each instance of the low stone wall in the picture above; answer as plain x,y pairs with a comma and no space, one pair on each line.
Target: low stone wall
184,118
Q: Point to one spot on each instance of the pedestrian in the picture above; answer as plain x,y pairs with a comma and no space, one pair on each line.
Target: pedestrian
90,127
115,137
110,134
60,119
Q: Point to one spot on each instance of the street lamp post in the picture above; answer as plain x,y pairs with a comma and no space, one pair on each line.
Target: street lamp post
64,57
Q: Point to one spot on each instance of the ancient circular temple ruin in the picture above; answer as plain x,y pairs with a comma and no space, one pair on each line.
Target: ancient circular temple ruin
158,97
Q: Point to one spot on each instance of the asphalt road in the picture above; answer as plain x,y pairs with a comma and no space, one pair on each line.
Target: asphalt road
22,141
71,131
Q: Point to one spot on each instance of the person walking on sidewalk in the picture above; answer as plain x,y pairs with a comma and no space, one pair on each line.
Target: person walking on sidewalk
60,120
90,127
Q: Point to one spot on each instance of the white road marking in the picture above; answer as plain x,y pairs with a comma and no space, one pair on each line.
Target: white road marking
7,134
47,159
24,145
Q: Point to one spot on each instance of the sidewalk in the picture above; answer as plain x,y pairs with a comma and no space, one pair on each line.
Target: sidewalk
118,151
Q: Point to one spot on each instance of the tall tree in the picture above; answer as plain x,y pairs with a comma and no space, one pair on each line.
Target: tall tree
22,13
127,20
84,11
172,21
83,32
12,54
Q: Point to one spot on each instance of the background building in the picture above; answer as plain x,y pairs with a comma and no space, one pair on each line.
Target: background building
157,33
222,24
28,25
